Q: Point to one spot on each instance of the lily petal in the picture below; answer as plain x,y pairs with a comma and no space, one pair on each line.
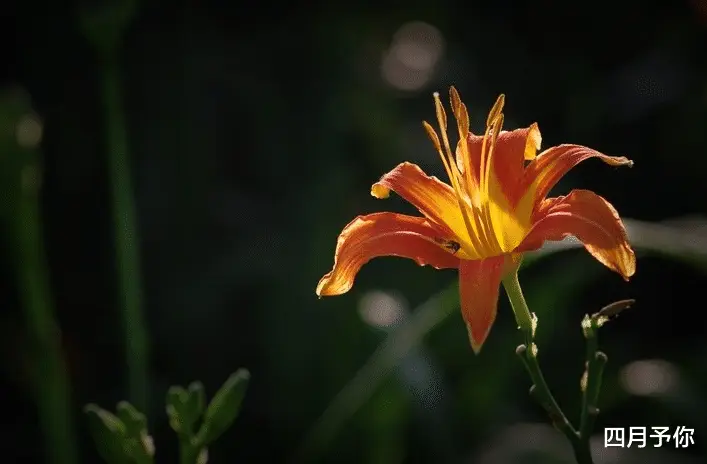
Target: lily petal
592,220
432,197
511,150
550,166
383,234
479,283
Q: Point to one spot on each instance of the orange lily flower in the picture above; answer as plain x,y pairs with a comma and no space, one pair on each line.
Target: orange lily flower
494,209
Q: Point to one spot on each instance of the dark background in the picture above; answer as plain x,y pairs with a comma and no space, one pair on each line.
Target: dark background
255,132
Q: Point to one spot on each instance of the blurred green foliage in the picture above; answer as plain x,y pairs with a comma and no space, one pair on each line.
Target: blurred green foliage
123,438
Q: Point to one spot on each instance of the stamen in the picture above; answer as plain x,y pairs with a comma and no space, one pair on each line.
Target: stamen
462,116
496,129
486,227
435,141
472,190
454,173
487,147
442,119
495,110
441,114
456,104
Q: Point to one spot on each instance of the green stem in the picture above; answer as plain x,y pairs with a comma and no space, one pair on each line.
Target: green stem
189,452
595,363
50,377
126,239
186,453
528,354
520,308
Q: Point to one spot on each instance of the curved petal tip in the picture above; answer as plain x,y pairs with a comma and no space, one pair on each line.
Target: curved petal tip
383,234
479,283
593,221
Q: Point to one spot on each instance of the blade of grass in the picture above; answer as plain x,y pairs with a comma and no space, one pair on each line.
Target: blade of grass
50,378
382,361
126,240
104,25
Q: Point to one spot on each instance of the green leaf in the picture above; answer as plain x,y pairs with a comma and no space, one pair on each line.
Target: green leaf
176,398
224,407
137,443
185,407
108,433
196,402
134,421
121,439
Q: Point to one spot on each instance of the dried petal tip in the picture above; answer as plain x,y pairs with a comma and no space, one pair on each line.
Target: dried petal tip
619,161
607,313
613,309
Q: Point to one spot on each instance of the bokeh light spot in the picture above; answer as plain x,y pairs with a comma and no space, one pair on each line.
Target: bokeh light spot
415,51
649,377
381,309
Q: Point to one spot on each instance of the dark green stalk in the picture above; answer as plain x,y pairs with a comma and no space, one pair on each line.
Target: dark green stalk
595,364
49,374
188,452
126,238
591,383
528,354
